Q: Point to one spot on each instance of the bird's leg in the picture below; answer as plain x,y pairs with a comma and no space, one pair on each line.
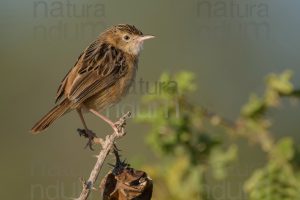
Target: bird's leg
86,132
114,126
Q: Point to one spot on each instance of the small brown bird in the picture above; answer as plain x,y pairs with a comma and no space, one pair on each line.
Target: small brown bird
101,76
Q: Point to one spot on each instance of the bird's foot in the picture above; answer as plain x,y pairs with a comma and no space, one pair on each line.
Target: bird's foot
119,125
88,134
116,126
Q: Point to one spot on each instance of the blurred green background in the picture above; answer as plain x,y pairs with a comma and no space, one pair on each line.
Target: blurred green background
230,46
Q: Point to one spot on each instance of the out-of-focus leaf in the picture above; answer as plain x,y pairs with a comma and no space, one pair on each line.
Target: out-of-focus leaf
281,82
183,180
283,150
220,159
255,107
185,82
273,182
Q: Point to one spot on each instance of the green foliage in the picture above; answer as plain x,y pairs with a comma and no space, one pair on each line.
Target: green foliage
187,179
191,141
255,107
219,160
277,85
277,179
176,123
283,151
280,83
273,182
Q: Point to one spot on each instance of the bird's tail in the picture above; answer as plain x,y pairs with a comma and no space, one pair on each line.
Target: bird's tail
51,116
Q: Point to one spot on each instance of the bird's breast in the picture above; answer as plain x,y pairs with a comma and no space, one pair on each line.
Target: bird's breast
117,91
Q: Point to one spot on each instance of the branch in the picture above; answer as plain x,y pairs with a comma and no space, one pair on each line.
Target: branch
107,145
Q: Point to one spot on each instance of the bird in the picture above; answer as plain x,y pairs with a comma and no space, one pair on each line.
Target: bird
100,78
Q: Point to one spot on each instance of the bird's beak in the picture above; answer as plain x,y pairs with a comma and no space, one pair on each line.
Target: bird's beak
145,37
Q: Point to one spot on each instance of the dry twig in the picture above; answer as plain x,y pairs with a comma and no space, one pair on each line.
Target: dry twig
107,145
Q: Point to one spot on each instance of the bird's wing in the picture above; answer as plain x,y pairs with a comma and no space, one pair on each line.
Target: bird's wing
61,89
101,66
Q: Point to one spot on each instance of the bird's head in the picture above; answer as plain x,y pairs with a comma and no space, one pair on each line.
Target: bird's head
126,37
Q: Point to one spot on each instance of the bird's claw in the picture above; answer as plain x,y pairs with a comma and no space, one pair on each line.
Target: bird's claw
89,144
88,134
118,126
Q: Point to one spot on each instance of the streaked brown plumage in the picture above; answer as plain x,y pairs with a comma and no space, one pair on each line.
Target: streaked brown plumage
101,76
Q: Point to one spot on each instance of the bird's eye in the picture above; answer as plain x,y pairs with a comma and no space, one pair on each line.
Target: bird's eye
126,37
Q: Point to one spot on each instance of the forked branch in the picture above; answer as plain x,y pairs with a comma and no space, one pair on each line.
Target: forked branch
107,145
